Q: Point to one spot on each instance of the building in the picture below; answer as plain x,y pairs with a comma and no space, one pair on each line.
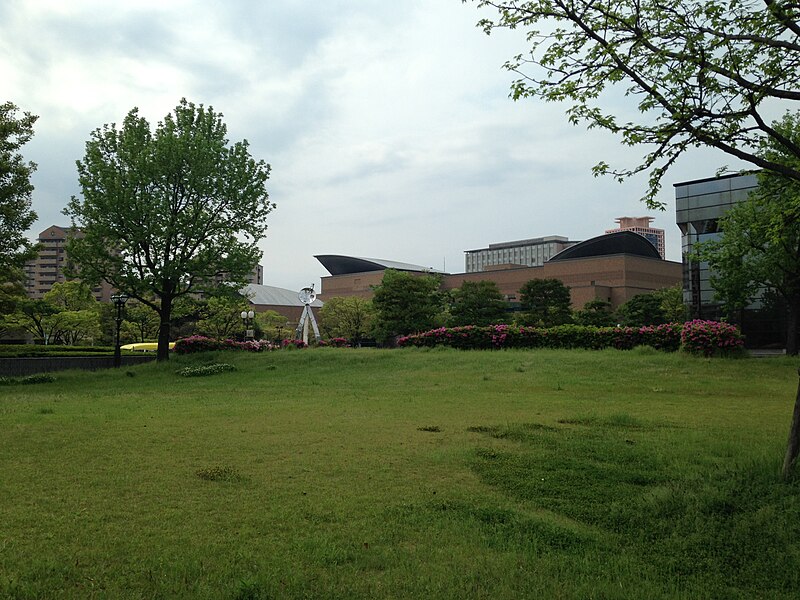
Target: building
612,267
47,268
641,225
282,301
699,204
522,253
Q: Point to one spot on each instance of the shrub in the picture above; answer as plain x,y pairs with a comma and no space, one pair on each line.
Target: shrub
199,343
28,379
206,370
662,337
711,338
336,342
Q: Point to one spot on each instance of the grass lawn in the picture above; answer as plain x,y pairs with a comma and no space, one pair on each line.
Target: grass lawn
336,473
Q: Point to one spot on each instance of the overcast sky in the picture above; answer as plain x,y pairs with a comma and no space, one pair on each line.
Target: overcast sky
387,124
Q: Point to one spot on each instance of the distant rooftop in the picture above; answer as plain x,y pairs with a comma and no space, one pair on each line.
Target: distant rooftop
337,264
528,242
274,296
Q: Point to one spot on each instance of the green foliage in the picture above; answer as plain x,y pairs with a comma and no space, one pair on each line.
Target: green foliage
672,305
273,325
67,314
28,379
205,370
347,317
644,309
405,303
478,303
222,317
141,322
165,212
596,313
703,71
16,216
546,303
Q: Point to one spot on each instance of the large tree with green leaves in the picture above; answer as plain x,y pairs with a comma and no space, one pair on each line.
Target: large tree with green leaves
545,302
166,212
16,215
406,303
478,303
703,72
349,317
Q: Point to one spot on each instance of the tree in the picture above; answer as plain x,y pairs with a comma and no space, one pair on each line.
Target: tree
546,302
644,309
672,304
596,313
273,325
478,303
16,215
349,317
222,317
167,213
405,303
141,322
704,72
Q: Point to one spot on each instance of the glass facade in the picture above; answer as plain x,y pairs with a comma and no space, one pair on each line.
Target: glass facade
698,208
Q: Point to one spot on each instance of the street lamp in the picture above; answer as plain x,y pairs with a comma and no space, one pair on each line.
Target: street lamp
247,317
119,301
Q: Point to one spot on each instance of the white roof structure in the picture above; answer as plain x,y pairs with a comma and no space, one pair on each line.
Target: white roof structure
274,296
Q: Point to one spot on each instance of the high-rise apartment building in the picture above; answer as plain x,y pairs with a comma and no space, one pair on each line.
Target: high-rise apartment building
641,225
522,253
46,269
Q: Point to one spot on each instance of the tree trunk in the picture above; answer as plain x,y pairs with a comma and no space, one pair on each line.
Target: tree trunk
164,328
791,327
793,446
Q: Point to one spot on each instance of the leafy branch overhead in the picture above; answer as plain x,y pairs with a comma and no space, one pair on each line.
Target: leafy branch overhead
704,73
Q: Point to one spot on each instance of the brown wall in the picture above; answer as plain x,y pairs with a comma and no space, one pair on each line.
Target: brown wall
616,278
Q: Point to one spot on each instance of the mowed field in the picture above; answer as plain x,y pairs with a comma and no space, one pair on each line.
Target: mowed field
340,473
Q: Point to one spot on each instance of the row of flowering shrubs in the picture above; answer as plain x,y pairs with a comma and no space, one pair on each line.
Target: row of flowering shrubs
199,343
702,337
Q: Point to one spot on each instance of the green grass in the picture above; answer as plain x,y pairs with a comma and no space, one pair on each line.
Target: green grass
340,473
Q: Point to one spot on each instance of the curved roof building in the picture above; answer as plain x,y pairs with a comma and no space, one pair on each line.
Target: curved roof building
620,242
338,264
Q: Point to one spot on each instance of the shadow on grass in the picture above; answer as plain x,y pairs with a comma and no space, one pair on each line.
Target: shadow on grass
723,531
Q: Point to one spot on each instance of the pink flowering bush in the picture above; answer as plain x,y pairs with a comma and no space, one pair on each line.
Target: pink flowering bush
293,344
669,337
199,343
337,342
711,338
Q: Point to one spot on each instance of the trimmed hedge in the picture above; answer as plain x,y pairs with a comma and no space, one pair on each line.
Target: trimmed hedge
703,337
35,351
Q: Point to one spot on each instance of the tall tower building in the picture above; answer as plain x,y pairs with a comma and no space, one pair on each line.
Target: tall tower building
641,225
47,268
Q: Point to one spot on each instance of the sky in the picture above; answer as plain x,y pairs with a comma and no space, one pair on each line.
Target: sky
388,125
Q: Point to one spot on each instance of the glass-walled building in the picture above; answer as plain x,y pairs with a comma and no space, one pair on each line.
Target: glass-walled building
699,205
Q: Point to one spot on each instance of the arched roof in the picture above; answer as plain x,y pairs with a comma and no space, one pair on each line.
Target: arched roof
337,264
621,242
273,296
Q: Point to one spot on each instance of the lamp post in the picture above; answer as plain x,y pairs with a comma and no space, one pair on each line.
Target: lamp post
247,317
119,301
